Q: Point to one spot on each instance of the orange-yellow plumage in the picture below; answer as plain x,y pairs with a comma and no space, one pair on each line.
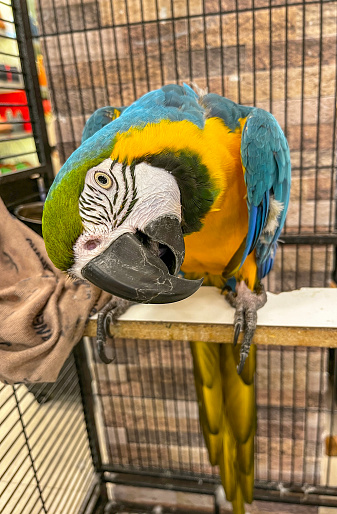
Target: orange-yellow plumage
226,400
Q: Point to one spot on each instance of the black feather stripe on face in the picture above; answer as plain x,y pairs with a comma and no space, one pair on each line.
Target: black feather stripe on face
109,208
196,187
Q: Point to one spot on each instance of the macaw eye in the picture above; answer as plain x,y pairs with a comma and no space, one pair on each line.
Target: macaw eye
103,180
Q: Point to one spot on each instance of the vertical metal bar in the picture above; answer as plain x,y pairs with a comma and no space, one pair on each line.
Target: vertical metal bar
302,120
51,82
270,56
326,278
257,434
176,71
286,81
32,463
184,374
319,416
133,407
269,414
153,401
119,76
137,343
282,267
85,384
173,368
306,409
122,403
145,45
104,410
333,222
205,43
293,418
311,271
286,76
130,50
254,52
91,74
75,61
222,52
238,48
66,91
188,41
332,417
319,94
281,417
297,267
159,43
165,396
32,87
216,504
333,189
104,66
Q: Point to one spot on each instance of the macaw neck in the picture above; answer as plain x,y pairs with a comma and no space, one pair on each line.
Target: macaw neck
201,160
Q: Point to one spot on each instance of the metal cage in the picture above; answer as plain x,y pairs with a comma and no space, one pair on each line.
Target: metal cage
141,411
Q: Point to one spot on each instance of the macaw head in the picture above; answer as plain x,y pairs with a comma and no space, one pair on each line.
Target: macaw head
119,222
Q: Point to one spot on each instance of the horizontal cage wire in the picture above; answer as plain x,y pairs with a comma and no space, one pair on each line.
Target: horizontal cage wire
149,412
45,460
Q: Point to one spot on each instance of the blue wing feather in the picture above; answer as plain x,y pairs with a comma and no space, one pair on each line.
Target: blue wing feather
99,119
266,159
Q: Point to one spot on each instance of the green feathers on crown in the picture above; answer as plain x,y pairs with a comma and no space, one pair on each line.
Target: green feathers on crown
61,221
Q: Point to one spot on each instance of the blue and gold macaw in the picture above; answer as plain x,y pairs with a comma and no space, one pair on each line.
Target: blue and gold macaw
173,170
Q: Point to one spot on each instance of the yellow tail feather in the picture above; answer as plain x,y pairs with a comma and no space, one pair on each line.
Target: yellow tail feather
227,464
238,502
227,415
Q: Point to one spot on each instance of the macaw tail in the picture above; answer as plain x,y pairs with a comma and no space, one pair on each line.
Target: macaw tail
227,415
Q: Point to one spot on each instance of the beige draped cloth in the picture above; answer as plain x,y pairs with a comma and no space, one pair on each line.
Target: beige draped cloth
42,312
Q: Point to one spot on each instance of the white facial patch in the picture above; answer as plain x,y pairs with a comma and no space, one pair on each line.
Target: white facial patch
117,199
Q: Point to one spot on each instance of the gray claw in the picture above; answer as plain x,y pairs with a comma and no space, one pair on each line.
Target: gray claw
245,347
102,335
246,303
101,352
243,357
237,331
110,312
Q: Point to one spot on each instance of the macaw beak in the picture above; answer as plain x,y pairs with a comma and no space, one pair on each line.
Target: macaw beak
142,267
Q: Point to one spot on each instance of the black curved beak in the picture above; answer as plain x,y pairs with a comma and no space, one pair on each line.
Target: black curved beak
142,267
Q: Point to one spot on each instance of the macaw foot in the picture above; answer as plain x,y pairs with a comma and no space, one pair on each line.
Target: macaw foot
246,303
109,314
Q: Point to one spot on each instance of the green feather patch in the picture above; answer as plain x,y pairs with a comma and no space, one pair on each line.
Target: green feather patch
196,187
61,221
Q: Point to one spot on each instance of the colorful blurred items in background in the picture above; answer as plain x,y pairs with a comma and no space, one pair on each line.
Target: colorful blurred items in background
16,109
9,168
17,144
41,73
5,128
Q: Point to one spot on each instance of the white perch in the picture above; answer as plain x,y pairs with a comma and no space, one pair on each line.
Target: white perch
305,317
